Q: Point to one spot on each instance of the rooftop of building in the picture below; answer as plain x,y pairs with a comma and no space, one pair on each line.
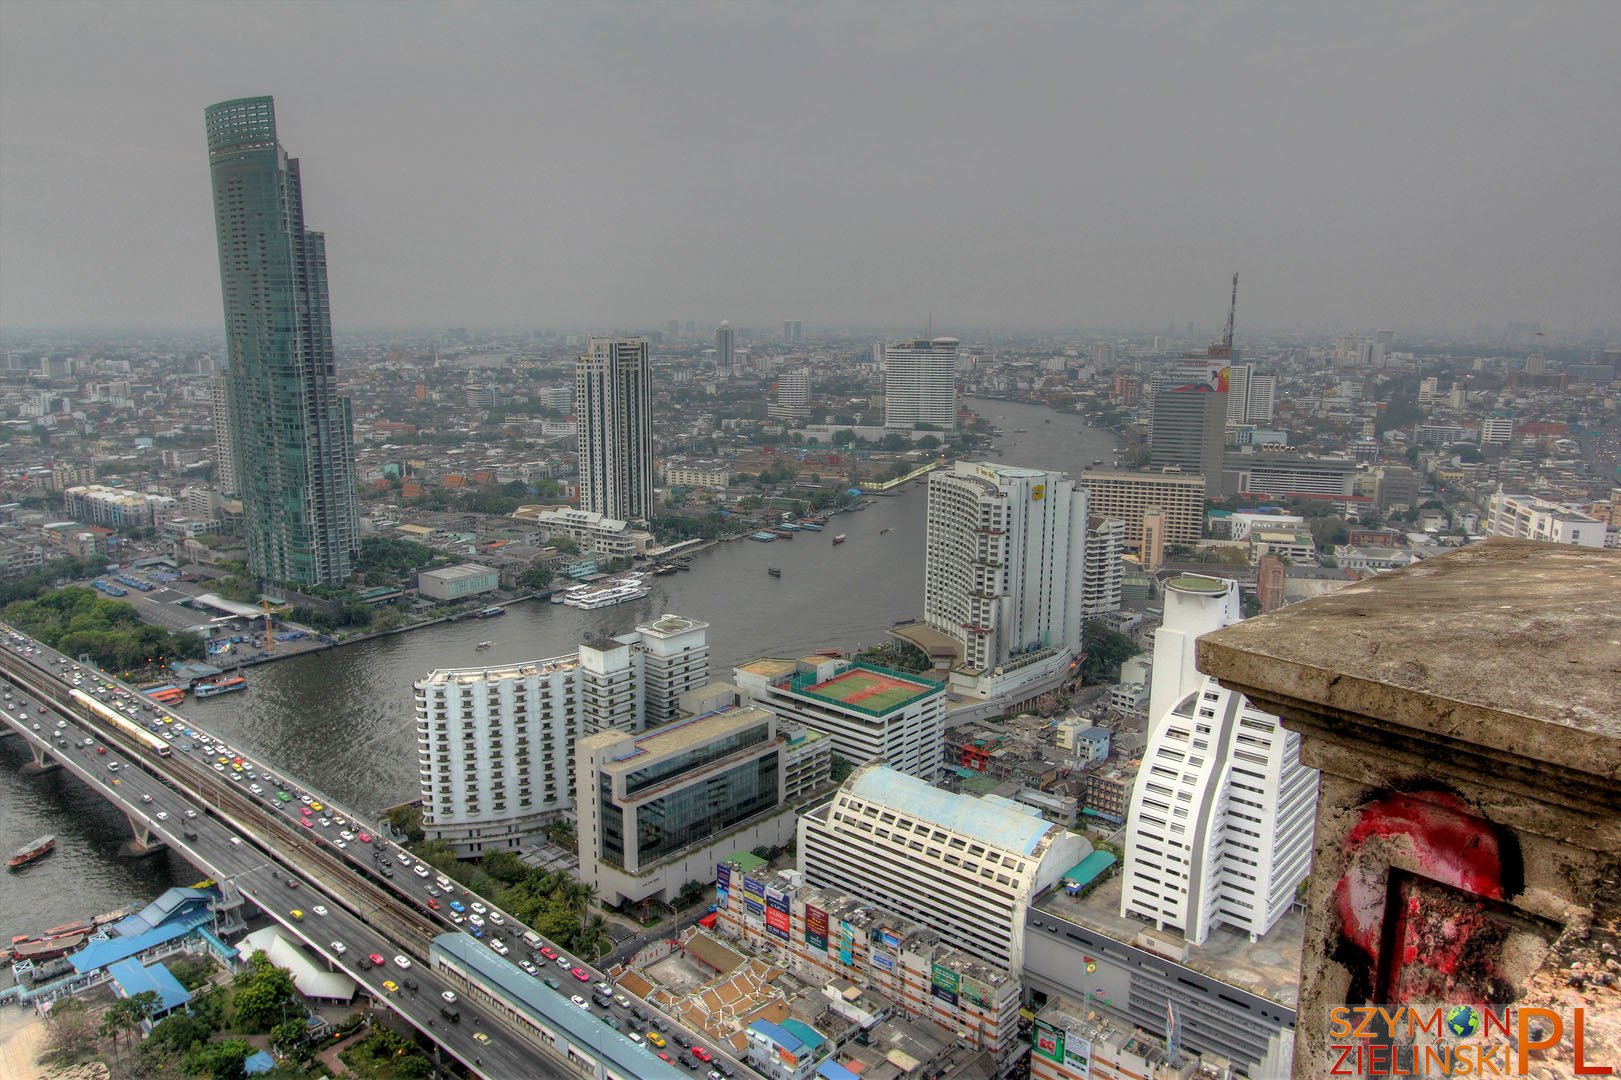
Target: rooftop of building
869,688
674,737
1411,642
668,624
1268,968
459,571
443,676
996,821
770,668
1195,583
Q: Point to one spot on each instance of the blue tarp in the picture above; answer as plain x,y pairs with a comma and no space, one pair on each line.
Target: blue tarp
1087,870
134,979
261,1062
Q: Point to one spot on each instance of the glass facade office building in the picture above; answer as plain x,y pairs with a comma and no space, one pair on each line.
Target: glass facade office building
290,431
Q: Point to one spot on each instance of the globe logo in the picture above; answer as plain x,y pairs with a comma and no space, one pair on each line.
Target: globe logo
1462,1020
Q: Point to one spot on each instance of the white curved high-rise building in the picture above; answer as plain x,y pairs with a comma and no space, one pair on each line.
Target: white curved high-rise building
1219,831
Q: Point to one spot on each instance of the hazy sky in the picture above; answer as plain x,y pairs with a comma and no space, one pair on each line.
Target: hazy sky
618,164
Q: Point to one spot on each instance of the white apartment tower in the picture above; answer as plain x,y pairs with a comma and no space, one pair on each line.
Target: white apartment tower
224,454
965,866
613,397
1104,573
1219,830
920,383
1004,562
1250,395
675,659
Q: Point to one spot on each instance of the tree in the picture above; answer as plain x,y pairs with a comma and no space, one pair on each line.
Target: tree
842,767
691,893
70,1033
564,546
1106,650
535,577
221,1060
264,1001
593,939
289,1035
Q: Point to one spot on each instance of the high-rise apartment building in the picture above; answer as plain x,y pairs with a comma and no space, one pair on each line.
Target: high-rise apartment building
1190,420
1100,584
291,433
966,866
219,401
495,744
1250,395
725,351
920,383
1004,563
792,395
613,397
868,712
1153,546
1125,496
1222,811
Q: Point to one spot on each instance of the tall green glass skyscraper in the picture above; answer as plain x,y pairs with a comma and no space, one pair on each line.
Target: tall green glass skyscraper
292,435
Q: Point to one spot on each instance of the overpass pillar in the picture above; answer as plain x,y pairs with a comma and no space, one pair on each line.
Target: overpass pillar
42,761
144,840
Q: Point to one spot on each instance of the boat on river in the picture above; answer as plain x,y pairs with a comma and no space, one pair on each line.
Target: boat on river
228,684
481,646
839,539
36,849
773,571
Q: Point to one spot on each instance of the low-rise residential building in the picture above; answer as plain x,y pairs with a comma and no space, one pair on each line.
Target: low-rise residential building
868,711
1070,1042
116,508
1531,518
826,936
590,530
708,475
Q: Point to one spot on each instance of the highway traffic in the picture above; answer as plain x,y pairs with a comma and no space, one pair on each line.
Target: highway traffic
193,811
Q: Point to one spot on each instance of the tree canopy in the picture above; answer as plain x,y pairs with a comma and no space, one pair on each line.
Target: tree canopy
78,621
1106,650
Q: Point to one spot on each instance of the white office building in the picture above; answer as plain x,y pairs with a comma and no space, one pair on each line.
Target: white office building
792,396
1251,396
1219,830
1529,518
1104,573
868,712
675,658
920,383
965,866
613,394
1004,565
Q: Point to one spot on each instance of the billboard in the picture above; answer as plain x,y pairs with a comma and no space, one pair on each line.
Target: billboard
888,939
945,984
974,990
816,927
1078,1055
1049,1042
723,898
776,923
777,899
754,888
847,942
883,961
723,875
754,908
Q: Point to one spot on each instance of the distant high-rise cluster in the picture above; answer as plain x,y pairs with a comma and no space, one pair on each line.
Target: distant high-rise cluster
793,331
920,384
290,433
613,400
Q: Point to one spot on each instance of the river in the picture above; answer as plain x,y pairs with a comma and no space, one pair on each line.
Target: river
343,720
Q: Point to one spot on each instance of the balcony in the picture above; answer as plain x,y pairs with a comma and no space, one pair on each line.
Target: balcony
1466,715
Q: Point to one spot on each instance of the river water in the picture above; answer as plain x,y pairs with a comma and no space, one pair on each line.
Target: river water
343,721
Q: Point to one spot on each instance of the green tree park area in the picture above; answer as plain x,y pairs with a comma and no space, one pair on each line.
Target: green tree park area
77,622
1106,650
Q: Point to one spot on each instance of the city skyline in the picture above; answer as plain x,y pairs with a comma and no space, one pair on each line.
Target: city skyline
1414,170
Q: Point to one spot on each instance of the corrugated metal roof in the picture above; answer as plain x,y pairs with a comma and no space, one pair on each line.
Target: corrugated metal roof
134,979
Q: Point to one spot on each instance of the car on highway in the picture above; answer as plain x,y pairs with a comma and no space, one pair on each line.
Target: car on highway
475,920
456,906
391,986
146,798
364,838
236,841
495,917
478,907
635,1037
499,946
292,883
347,835
579,973
701,1054
162,815
622,1001
376,958
306,822
432,903
296,915
449,996
191,814
419,870
528,967
315,805
547,951
402,962
581,1002
657,1040
481,1037
553,983
339,947
319,910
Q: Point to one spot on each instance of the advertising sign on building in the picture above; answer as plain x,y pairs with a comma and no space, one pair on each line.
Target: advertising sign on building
776,923
945,984
776,898
755,909
888,938
723,898
1049,1042
883,961
723,876
1078,1055
754,888
815,927
847,942
977,992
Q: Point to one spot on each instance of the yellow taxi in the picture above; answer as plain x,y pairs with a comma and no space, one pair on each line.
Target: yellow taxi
296,915
656,1039
391,986
316,807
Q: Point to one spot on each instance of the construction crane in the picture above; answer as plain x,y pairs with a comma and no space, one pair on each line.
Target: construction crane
1225,349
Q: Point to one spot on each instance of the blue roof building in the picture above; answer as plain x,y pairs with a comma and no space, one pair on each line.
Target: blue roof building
785,1051
130,978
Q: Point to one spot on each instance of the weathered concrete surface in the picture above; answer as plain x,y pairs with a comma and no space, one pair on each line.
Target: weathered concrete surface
1466,716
